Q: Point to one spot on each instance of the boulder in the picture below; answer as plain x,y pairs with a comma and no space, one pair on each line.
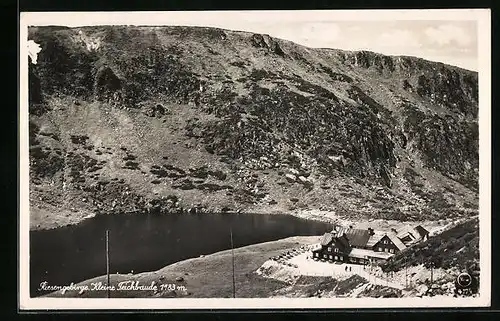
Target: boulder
185,185
422,289
303,179
220,175
444,286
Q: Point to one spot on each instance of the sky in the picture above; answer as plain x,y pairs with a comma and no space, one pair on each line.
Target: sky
452,42
449,36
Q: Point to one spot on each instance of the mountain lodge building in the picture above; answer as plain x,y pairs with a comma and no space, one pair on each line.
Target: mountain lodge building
363,246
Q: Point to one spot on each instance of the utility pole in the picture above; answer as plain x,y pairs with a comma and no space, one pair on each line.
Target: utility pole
232,258
107,261
406,274
432,265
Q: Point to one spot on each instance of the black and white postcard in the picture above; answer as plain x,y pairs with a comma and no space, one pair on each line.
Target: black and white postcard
255,159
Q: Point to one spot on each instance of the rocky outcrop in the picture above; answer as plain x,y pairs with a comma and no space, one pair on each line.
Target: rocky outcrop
458,92
367,59
448,144
106,84
267,42
155,110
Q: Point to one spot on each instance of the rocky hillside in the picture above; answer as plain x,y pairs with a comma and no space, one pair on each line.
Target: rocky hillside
164,119
448,254
455,247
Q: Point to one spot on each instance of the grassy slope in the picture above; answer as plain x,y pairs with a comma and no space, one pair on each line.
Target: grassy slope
211,276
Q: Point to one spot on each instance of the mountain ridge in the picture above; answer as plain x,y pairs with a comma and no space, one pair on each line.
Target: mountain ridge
287,127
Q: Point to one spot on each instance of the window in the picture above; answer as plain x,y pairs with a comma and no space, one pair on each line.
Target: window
315,254
331,257
380,249
336,257
325,256
385,250
336,250
329,249
391,250
342,258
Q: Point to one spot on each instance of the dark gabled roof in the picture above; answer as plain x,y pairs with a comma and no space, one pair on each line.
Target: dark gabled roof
344,243
357,237
326,239
340,230
409,235
375,238
396,241
421,230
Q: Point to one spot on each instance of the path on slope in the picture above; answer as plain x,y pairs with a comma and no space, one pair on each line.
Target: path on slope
304,265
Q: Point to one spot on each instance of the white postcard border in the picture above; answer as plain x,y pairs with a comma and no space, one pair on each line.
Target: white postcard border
482,16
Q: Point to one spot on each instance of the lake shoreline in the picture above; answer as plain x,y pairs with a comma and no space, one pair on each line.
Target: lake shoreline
330,217
42,220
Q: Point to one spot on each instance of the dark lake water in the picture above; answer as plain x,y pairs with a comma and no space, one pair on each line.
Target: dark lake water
142,242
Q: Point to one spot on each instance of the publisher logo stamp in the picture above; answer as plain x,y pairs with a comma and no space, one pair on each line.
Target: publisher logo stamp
464,280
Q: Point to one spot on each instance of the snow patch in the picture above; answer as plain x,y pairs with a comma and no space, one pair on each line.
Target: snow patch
89,216
33,50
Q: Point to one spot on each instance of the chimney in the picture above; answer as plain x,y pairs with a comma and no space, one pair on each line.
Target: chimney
394,230
350,227
370,230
